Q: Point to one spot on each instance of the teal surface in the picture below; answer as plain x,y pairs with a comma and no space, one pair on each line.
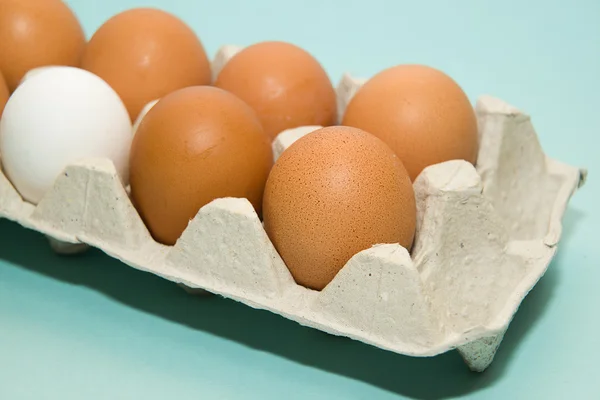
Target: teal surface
91,328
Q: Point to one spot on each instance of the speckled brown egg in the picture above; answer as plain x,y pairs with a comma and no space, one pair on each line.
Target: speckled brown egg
146,53
3,94
331,194
286,86
37,33
420,112
195,145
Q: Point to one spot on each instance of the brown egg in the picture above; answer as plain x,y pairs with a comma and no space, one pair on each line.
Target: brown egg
3,94
332,194
284,84
420,112
37,33
195,145
144,54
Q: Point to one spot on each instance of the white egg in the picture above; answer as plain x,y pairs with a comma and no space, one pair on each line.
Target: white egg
34,71
58,116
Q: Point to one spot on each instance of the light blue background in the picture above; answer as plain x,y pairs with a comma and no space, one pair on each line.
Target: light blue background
92,328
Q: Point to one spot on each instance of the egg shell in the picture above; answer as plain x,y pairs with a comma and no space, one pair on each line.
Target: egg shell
36,33
420,112
37,70
55,118
381,297
146,53
3,94
284,84
333,193
193,146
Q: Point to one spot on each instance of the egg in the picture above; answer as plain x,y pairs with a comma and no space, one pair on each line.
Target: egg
195,145
331,194
57,117
36,33
146,53
420,112
3,94
284,84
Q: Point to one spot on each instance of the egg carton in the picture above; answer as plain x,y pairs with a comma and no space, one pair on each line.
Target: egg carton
485,236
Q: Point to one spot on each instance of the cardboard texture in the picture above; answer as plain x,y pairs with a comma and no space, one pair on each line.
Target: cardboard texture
485,236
